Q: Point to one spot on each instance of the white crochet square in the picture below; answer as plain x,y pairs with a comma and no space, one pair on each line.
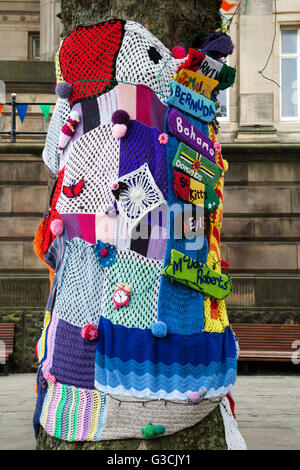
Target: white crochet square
134,64
94,157
51,154
141,196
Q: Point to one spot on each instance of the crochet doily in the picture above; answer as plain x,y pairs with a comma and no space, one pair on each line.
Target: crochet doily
141,196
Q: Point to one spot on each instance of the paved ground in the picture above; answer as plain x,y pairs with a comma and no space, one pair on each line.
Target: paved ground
267,406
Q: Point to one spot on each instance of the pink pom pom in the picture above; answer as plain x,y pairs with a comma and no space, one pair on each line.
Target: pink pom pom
217,147
179,52
195,397
57,227
50,377
163,138
119,130
89,332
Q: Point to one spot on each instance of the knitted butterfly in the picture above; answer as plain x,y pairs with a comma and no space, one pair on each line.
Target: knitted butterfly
74,190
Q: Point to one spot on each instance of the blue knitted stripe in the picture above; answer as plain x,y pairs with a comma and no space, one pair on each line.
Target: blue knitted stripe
140,345
131,375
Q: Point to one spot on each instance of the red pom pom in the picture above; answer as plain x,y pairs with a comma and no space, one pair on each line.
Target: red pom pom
179,52
89,332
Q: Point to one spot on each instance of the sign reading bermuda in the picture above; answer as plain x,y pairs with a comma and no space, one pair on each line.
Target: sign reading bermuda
191,102
193,164
195,192
197,276
184,130
196,82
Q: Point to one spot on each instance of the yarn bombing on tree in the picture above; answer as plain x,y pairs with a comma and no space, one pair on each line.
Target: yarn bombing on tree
136,340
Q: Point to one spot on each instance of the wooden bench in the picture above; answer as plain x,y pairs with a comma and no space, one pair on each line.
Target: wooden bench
267,342
6,343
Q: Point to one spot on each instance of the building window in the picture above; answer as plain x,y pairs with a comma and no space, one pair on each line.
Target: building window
34,46
290,69
223,100
223,110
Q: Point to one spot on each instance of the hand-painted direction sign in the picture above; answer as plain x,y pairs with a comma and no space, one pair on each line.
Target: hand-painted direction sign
194,192
195,165
190,135
196,82
199,62
197,276
191,102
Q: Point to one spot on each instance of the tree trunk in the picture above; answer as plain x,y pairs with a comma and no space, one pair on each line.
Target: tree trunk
206,435
172,22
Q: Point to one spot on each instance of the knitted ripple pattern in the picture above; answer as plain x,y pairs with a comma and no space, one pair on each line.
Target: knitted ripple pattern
105,372
132,361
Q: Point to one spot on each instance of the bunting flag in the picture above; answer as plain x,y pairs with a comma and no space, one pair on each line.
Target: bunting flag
45,110
1,107
22,110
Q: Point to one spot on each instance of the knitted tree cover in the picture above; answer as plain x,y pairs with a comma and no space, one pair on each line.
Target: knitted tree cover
127,351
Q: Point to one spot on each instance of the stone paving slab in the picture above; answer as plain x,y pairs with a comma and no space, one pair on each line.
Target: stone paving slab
267,409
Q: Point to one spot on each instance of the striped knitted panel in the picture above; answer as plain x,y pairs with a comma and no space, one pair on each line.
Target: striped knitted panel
141,145
79,289
133,362
41,393
73,414
94,158
73,357
143,275
42,342
50,334
80,225
54,257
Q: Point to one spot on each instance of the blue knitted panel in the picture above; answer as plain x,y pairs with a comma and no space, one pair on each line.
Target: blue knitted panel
186,315
134,362
41,393
79,289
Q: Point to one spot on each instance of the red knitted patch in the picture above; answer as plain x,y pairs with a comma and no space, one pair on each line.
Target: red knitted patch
90,53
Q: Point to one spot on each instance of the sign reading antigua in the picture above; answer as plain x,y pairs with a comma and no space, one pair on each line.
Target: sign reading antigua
196,82
191,102
194,164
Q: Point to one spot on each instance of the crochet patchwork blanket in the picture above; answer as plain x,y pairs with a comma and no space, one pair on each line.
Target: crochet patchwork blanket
136,343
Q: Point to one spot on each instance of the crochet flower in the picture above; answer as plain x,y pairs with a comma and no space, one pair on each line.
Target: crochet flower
217,147
163,138
105,252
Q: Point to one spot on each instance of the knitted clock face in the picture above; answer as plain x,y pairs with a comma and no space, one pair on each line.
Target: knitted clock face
121,298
